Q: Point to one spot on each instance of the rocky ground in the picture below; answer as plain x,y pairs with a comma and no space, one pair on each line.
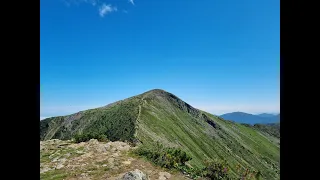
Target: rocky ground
95,160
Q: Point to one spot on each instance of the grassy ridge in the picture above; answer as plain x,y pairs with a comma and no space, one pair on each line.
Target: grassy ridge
162,121
158,116
116,122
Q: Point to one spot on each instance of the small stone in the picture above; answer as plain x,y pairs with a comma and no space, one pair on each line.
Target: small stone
115,155
111,160
164,175
59,166
126,162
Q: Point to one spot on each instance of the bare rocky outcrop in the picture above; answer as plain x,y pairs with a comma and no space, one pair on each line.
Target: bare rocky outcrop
96,160
134,175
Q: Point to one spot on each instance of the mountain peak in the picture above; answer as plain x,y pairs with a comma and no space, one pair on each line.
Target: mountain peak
156,91
159,93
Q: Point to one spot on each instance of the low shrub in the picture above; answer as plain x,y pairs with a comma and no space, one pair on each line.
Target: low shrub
213,169
84,137
248,174
167,157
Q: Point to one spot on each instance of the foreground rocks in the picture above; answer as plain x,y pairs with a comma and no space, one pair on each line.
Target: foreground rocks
134,175
94,160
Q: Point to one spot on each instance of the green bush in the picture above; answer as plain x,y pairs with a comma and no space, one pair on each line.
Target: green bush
87,136
194,173
215,169
248,174
167,157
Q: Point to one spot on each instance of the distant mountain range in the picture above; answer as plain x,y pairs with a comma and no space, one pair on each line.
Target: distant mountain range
241,117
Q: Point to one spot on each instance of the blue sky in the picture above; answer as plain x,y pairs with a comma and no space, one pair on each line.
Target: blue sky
217,55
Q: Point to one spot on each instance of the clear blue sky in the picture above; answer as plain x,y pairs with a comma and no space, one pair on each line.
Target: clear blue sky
218,55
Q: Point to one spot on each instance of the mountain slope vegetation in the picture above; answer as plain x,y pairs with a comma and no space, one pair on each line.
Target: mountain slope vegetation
272,129
159,116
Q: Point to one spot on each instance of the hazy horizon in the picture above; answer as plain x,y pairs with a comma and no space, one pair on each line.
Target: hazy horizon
72,110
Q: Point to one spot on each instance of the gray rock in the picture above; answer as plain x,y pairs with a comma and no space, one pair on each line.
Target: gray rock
59,166
164,175
134,175
93,142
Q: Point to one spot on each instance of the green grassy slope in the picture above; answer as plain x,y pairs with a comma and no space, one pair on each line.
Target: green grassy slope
272,129
160,116
117,121
162,120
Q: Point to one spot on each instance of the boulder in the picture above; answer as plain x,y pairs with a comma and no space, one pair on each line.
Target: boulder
134,175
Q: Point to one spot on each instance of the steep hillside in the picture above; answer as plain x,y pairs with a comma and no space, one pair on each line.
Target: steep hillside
272,129
161,116
116,120
241,117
